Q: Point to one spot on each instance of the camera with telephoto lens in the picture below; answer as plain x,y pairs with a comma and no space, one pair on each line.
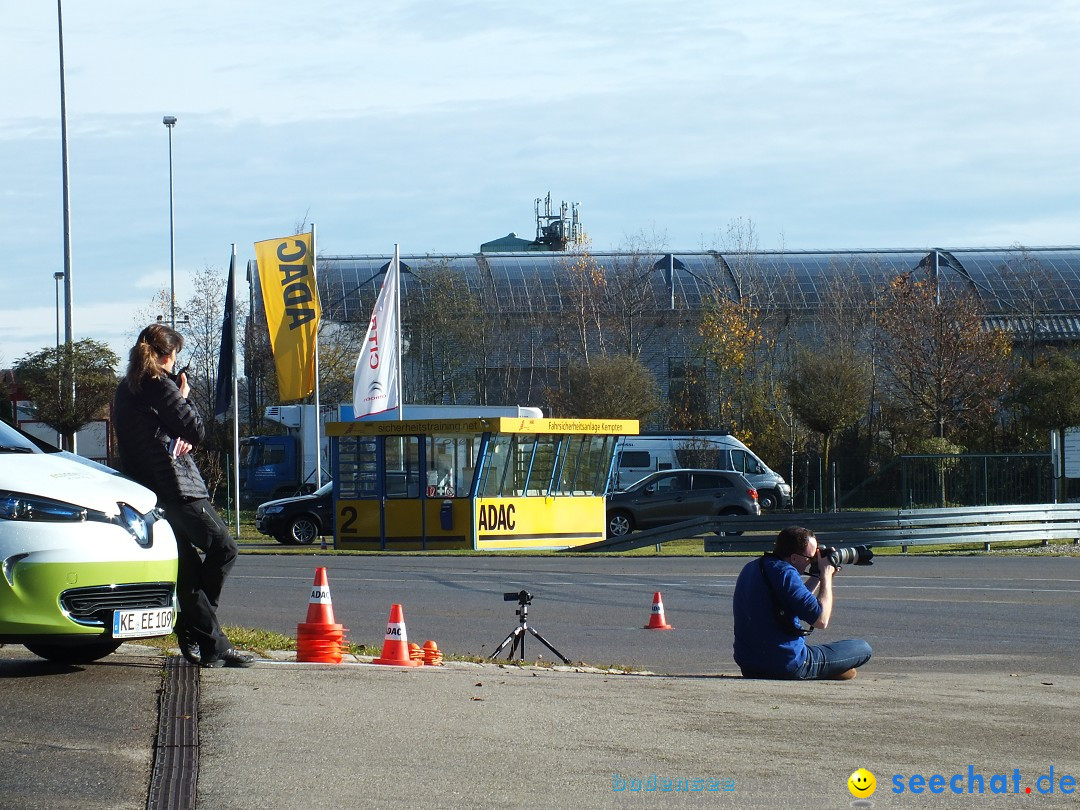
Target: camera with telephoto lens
521,597
855,555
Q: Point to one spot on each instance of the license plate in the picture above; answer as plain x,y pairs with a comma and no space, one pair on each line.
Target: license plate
142,623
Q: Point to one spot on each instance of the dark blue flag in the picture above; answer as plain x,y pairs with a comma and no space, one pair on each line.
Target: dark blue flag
227,360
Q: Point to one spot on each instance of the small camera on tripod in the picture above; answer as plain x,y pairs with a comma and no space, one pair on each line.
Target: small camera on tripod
516,637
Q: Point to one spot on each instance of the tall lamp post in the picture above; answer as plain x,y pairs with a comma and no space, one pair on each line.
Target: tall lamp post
58,276
170,121
70,439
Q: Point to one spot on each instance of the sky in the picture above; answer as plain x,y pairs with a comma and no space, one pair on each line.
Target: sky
854,124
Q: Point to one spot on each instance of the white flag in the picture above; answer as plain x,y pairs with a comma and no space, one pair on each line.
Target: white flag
376,380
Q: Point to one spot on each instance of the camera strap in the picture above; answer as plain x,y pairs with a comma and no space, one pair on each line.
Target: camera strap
780,613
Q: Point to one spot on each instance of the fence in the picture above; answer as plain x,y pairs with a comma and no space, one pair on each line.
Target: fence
925,481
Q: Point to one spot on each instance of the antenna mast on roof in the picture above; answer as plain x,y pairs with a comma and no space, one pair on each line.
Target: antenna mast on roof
557,231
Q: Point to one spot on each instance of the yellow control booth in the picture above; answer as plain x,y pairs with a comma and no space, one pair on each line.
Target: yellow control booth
495,483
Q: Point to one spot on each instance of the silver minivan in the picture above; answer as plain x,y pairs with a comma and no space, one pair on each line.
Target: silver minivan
638,456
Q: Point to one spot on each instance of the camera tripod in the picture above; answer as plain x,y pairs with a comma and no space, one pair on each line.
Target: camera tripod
517,635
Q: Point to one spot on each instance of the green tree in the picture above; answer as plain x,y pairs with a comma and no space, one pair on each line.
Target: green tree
610,387
41,376
828,391
1047,396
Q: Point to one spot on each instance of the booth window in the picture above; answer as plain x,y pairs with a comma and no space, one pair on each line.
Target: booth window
402,468
545,464
583,464
497,466
451,462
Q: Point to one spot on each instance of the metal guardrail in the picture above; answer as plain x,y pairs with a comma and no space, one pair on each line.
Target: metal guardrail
895,527
652,537
911,527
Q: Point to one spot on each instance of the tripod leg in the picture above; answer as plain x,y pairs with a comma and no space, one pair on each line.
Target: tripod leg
544,641
510,637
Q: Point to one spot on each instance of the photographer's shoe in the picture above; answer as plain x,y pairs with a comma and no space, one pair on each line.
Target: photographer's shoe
846,675
231,657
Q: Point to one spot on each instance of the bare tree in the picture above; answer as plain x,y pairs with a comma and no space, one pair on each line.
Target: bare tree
1034,291
444,321
942,369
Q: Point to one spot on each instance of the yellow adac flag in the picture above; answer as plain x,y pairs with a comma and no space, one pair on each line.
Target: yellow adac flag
291,300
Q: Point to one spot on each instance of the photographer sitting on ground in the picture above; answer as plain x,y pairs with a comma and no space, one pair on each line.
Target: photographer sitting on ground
771,597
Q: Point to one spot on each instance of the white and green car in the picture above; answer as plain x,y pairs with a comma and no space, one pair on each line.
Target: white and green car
86,560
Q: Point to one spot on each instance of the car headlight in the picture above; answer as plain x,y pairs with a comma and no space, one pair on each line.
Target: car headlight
20,506
270,510
34,508
785,488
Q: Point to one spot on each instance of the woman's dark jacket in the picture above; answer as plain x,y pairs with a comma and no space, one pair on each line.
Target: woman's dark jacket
146,422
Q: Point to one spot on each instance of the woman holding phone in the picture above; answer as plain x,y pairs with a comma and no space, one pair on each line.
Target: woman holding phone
157,428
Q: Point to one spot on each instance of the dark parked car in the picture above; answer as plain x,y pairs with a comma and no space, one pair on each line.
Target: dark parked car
299,520
671,496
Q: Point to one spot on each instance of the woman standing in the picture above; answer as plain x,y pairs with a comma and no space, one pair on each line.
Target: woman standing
156,430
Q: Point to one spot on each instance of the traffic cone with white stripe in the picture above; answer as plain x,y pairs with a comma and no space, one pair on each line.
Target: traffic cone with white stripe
395,650
656,618
319,639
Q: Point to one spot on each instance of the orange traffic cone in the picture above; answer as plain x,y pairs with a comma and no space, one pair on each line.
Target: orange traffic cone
395,650
320,608
319,639
656,618
432,654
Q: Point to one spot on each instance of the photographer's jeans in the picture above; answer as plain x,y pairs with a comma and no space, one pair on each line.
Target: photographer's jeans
825,661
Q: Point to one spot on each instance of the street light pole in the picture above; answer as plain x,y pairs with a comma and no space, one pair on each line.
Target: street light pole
69,366
170,121
58,276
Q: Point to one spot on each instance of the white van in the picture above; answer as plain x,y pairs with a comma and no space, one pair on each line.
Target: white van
637,456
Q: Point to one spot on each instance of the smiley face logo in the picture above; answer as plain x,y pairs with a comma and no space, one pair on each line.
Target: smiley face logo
862,784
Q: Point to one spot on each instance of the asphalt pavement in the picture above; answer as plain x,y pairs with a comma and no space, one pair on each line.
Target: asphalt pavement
283,735
288,735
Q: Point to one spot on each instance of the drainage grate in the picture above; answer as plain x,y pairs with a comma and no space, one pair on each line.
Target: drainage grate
176,751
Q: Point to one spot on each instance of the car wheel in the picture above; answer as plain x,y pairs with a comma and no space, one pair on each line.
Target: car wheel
303,530
730,513
768,499
74,653
619,524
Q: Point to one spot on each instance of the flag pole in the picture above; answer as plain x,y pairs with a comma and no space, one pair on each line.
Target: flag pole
318,409
236,400
397,348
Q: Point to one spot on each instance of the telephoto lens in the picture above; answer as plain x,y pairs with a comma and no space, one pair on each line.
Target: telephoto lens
855,555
